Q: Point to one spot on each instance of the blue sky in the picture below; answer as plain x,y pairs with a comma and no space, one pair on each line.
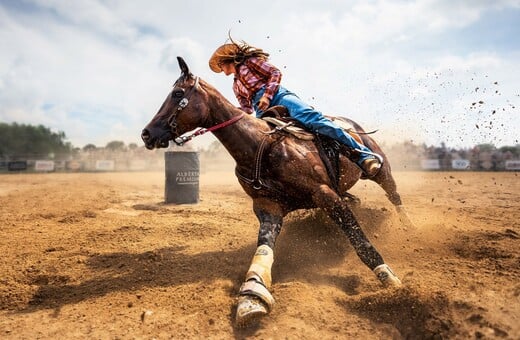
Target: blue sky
99,70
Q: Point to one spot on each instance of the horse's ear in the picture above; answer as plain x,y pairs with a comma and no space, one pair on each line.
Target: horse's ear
184,67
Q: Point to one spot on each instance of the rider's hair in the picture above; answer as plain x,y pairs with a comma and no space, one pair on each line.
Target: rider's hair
243,52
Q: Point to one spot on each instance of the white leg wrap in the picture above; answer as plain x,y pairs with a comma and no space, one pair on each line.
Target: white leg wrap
260,268
258,277
387,276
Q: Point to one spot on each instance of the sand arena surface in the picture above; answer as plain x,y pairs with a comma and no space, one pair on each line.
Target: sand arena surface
100,256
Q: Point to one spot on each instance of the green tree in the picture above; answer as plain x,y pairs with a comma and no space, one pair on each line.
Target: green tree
89,147
515,150
19,140
116,146
486,147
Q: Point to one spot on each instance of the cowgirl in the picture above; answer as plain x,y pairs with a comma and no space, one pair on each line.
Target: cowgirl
257,86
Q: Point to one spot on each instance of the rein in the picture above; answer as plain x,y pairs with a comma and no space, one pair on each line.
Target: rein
181,140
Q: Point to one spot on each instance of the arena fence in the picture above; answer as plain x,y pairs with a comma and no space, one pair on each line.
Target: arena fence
401,159
107,165
98,165
466,164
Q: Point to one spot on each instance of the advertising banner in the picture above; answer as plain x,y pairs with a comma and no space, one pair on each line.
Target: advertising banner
44,165
74,165
105,165
17,165
430,164
512,164
460,164
138,164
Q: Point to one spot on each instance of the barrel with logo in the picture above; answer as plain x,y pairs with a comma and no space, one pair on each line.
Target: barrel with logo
182,177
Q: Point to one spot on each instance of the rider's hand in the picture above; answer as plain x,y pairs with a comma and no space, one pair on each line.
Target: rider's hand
263,104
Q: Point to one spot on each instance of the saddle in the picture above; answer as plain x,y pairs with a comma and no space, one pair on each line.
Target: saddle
328,148
278,116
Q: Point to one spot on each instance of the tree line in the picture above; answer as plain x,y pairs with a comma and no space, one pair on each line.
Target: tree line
23,140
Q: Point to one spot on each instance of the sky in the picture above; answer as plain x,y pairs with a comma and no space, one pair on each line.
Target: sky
420,71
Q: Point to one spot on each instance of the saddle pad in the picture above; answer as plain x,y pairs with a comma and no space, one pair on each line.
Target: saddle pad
293,130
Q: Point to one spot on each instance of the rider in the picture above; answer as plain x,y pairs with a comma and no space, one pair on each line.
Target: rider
257,86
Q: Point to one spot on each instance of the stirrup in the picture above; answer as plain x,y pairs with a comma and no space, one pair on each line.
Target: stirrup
376,155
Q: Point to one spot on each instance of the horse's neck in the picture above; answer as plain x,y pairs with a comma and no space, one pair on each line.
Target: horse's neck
241,139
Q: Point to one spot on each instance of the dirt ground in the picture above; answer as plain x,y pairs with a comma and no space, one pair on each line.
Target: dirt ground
100,256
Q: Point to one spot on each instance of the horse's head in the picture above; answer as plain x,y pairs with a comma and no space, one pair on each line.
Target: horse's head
182,111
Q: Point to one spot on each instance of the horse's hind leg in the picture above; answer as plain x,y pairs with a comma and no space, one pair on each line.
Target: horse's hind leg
338,210
385,179
255,300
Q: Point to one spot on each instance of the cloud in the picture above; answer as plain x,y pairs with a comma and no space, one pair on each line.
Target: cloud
99,70
191,50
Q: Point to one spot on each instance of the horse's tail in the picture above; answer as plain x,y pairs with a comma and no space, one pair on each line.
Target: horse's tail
368,141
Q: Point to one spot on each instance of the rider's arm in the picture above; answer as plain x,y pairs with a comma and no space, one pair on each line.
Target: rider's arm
268,71
242,96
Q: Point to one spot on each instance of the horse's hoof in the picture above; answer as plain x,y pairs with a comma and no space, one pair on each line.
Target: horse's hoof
250,310
387,276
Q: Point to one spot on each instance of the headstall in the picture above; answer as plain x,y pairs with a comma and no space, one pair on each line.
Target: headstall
183,103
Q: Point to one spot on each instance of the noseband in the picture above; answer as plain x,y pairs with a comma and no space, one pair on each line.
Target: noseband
172,120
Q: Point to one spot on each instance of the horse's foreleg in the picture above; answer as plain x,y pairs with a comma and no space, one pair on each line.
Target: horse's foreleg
385,179
255,300
340,213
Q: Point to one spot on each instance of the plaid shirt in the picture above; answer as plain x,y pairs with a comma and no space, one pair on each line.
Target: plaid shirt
250,77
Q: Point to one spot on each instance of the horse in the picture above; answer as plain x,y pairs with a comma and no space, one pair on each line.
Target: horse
279,172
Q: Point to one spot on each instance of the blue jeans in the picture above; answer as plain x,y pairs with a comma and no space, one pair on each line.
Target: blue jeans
311,119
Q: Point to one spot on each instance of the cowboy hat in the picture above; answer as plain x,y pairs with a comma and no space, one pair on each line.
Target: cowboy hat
226,52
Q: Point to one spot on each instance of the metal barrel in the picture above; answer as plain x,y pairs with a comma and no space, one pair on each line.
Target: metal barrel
182,177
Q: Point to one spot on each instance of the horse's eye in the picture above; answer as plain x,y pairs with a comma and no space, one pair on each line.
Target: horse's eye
177,93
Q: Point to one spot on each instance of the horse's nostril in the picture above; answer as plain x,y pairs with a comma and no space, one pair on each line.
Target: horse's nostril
145,134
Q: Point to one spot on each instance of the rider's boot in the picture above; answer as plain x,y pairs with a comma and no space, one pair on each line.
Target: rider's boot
371,166
369,161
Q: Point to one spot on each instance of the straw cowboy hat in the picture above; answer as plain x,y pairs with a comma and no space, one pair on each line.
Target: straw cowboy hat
226,52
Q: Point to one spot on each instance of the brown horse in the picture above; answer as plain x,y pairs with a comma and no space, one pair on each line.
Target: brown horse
280,173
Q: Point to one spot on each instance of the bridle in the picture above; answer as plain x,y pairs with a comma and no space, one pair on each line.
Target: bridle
172,119
183,103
